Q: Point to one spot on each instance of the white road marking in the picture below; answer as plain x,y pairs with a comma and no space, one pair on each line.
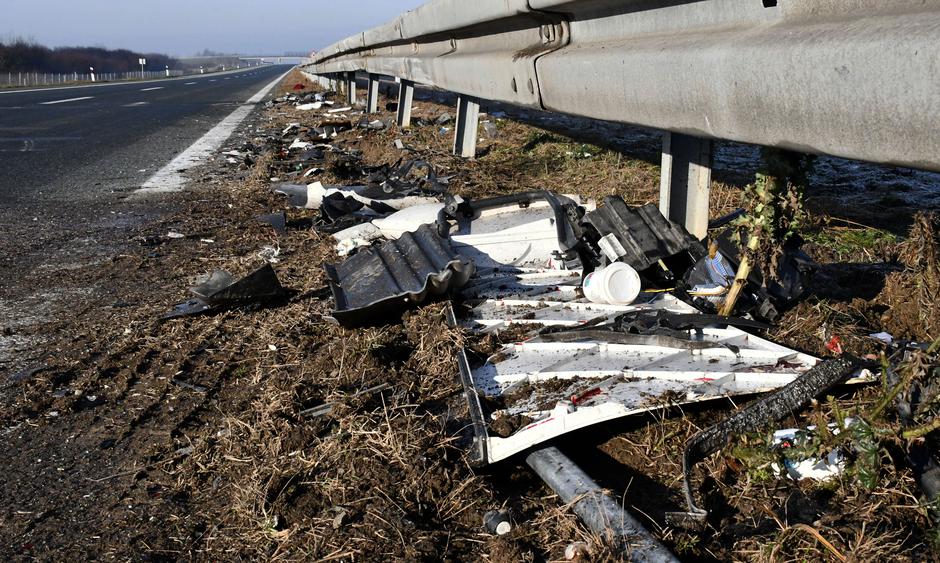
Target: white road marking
170,178
65,101
213,80
189,83
154,88
136,104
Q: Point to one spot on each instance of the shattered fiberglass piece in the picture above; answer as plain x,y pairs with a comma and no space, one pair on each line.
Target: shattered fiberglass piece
384,280
220,290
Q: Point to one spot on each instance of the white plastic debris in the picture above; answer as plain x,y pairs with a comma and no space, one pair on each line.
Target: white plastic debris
617,284
308,107
298,144
882,337
818,469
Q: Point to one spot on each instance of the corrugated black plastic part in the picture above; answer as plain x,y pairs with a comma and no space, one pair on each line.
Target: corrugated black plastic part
384,280
643,233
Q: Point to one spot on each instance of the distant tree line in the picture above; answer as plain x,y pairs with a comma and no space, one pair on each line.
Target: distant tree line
21,55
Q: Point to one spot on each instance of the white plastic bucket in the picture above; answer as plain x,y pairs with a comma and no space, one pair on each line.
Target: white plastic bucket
617,284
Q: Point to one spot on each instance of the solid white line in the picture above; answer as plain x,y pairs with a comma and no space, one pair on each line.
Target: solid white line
170,178
154,88
65,101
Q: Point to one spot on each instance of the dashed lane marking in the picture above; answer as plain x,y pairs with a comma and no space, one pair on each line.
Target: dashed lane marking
66,101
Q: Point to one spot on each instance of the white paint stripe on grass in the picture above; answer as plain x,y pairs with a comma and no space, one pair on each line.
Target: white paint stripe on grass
65,101
150,89
170,178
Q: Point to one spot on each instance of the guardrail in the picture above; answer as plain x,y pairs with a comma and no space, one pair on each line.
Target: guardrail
850,78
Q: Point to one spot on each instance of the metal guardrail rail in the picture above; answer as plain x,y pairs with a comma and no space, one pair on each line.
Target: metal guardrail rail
852,78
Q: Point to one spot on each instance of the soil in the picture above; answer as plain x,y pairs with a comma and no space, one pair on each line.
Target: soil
132,438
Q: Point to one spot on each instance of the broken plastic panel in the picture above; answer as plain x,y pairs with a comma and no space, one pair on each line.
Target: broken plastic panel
384,280
563,381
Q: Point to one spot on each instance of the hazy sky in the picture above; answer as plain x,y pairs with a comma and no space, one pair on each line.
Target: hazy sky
183,27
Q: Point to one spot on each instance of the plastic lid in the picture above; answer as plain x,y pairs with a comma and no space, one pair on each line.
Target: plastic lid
623,283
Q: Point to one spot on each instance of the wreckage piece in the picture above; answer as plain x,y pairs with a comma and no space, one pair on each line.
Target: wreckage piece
547,299
601,514
568,379
384,280
278,221
756,416
311,196
534,229
521,231
708,280
220,291
640,236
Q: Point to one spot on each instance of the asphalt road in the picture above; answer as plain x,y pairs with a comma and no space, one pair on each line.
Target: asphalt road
84,143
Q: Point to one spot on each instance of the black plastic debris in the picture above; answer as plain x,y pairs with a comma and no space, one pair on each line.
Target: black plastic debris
382,281
222,291
640,237
752,418
277,220
296,193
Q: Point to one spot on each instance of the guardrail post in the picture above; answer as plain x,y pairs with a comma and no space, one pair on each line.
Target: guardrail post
686,180
373,98
468,120
406,94
351,88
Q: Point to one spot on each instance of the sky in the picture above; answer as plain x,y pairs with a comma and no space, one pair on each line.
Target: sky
185,27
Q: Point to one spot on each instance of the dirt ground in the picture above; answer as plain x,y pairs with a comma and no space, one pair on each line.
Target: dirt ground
131,438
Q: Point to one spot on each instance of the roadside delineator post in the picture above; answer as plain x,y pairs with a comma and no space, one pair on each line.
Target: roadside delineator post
373,94
686,179
406,92
468,121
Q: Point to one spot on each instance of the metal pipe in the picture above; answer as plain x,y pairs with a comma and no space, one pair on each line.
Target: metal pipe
599,512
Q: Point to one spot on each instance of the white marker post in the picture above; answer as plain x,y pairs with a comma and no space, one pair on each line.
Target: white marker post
167,71
142,63
92,73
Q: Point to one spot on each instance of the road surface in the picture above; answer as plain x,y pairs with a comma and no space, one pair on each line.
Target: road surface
65,144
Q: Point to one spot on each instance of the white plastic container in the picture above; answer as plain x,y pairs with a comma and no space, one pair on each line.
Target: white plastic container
617,284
